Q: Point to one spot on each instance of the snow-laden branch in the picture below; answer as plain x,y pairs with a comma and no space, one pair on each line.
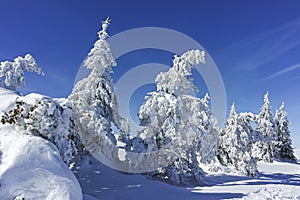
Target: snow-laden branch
12,73
177,79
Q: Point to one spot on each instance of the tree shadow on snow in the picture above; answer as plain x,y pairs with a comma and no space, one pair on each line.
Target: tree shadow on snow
262,179
216,196
221,179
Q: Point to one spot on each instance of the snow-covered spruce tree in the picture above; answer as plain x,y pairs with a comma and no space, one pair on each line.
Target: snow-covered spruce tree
12,73
174,121
94,102
284,145
48,118
207,152
234,150
227,133
264,148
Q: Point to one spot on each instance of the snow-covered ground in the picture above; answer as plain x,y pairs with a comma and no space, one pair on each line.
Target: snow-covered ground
277,180
31,167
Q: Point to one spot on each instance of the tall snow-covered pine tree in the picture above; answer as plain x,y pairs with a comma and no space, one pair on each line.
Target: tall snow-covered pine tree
285,148
94,101
264,147
208,150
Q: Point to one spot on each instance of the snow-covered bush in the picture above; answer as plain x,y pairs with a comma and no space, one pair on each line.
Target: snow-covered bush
284,145
48,118
12,73
235,145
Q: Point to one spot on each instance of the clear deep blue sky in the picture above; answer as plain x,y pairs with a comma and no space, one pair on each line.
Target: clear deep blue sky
255,44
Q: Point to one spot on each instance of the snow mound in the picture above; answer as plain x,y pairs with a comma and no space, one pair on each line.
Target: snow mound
30,167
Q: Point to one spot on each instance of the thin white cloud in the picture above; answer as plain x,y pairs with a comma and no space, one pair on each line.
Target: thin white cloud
281,72
262,48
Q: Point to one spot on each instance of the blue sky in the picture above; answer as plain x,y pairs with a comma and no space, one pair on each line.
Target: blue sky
255,44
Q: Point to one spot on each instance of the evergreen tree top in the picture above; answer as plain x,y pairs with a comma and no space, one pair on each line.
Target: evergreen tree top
266,99
265,112
100,58
232,110
281,114
103,34
282,106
